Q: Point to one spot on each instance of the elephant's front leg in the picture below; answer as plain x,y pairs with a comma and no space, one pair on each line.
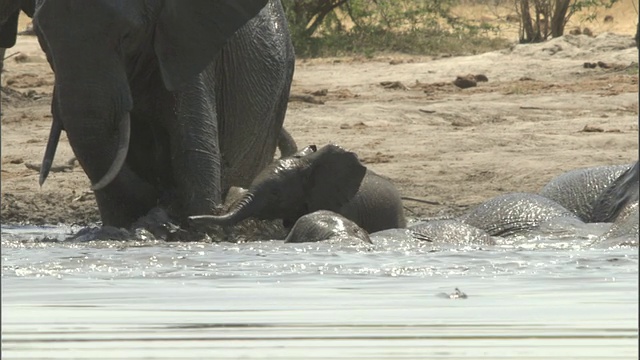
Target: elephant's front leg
195,153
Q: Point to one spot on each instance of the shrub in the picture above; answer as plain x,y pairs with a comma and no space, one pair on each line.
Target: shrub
541,19
341,27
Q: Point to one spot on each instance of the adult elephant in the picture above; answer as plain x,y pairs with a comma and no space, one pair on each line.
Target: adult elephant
330,178
166,102
9,13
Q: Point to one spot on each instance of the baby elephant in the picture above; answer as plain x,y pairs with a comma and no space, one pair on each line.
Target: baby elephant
325,225
329,178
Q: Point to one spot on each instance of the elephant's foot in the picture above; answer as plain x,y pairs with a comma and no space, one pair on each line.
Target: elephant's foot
245,231
156,225
159,225
101,233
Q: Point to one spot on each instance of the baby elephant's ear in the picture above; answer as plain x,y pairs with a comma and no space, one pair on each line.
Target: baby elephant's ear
190,33
333,179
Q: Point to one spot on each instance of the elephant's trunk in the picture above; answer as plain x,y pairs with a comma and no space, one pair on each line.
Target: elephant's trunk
245,207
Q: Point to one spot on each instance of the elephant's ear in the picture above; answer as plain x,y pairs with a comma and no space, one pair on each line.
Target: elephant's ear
333,178
190,33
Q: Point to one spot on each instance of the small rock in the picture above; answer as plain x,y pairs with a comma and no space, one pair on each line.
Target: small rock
394,85
481,78
322,92
590,65
604,65
465,82
587,31
358,125
21,58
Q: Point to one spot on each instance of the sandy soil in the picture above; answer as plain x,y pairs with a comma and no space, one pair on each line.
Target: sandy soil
540,113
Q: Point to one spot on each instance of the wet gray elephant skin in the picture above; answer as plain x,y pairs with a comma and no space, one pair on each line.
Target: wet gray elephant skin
626,228
514,213
325,225
286,144
577,190
166,103
620,194
330,178
450,231
9,13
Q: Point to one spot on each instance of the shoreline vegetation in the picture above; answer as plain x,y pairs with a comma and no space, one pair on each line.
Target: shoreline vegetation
338,28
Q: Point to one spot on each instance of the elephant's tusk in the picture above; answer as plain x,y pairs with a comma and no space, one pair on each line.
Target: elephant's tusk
207,220
203,217
50,150
121,154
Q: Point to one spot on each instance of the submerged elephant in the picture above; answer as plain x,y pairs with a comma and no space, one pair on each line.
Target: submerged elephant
626,228
330,178
450,231
514,213
577,190
325,225
166,102
619,195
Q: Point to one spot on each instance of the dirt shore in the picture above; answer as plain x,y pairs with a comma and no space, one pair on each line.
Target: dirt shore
541,112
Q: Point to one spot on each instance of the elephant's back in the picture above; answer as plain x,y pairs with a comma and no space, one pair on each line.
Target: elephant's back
451,231
512,213
577,190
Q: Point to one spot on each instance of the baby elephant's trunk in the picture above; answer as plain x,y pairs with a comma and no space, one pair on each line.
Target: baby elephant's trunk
240,210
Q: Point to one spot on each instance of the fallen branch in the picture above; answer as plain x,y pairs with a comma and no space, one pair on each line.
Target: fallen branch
420,200
68,166
305,98
12,55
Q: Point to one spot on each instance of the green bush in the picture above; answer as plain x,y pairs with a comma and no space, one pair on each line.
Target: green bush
367,27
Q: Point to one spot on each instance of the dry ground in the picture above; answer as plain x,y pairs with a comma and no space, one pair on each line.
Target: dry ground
541,113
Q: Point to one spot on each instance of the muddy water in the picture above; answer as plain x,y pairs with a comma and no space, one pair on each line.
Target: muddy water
523,299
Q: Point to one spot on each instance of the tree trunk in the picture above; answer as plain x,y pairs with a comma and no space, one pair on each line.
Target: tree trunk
527,34
559,16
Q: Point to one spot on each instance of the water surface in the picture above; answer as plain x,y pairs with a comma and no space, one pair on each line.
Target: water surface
526,299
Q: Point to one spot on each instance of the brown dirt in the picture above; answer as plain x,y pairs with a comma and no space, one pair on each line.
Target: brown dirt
533,119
